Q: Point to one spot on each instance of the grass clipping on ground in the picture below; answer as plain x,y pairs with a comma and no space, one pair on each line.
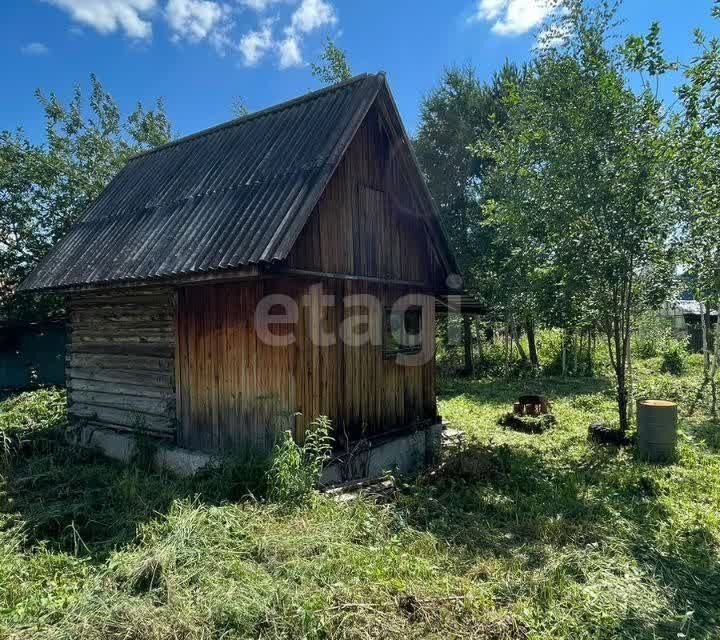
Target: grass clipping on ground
515,536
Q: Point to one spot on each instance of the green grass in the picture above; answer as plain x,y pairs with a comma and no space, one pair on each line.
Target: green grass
517,536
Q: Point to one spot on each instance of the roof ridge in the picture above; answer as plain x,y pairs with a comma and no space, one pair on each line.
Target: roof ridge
258,114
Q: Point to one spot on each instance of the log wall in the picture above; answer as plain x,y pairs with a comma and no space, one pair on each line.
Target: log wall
236,391
120,360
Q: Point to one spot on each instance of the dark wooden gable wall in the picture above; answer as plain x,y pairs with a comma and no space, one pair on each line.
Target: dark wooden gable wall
237,391
369,221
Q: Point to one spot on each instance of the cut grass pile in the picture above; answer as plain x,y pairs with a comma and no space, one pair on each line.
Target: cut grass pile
516,536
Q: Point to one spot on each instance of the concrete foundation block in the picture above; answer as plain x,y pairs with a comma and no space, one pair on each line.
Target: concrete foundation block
399,453
122,447
402,453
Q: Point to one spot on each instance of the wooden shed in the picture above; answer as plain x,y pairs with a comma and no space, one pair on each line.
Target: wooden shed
317,202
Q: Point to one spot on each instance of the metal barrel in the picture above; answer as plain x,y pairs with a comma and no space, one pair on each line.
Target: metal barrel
656,429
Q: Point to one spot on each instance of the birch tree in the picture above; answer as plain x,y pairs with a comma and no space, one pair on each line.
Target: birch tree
698,159
582,160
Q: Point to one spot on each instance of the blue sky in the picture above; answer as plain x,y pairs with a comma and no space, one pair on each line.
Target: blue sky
200,54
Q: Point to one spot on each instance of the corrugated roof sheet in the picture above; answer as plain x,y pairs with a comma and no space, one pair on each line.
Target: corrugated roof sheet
231,196
691,307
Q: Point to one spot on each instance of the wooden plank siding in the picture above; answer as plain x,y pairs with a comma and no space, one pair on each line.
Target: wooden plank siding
237,391
120,362
368,221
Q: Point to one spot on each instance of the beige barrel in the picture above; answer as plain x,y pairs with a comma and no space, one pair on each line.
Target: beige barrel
656,429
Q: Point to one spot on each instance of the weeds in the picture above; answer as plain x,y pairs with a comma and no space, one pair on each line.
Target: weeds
29,422
674,359
295,469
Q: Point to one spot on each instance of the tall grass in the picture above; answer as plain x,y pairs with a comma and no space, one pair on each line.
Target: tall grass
544,536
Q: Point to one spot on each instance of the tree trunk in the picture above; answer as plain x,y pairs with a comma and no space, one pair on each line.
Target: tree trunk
705,341
714,368
630,381
706,362
479,337
622,399
508,349
532,347
622,395
617,332
467,343
625,326
518,344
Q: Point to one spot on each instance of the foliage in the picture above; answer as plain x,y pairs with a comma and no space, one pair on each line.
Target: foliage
652,335
697,171
333,66
28,421
567,353
580,171
33,412
674,358
457,114
239,107
45,188
584,355
295,469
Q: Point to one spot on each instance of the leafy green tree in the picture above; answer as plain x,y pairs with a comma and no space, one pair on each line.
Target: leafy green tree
582,159
458,113
698,171
333,66
45,188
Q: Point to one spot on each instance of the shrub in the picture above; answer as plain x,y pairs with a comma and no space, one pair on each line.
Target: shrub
652,336
674,359
294,469
550,353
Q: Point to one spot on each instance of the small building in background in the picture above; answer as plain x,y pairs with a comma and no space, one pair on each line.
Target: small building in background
32,354
686,320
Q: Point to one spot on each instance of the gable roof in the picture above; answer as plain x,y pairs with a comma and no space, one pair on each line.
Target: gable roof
228,197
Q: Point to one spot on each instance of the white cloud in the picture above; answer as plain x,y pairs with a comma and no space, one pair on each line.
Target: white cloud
489,9
212,21
259,5
196,20
289,52
311,15
108,16
513,17
255,44
35,49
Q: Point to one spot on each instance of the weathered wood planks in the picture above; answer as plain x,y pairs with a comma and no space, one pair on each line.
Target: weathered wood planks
236,391
369,221
120,360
